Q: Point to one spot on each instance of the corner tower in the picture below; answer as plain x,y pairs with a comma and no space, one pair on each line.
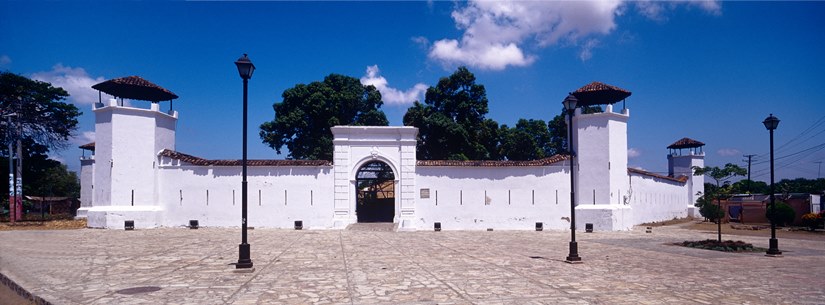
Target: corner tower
683,155
600,144
127,141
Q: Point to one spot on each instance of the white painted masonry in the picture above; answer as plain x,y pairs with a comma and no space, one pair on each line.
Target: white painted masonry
135,174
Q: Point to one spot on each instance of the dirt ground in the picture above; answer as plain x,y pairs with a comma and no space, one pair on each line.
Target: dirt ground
9,297
44,225
764,230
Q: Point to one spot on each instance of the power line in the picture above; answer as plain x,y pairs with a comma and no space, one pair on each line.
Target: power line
795,141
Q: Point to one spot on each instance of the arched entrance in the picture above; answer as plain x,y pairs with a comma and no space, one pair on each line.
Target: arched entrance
375,192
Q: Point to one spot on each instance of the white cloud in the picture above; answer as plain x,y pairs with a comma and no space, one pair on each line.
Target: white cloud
711,7
4,60
421,40
633,152
728,152
74,80
499,34
391,95
495,32
656,10
57,157
84,138
651,9
586,51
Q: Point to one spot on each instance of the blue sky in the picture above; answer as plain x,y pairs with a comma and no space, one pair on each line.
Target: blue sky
711,71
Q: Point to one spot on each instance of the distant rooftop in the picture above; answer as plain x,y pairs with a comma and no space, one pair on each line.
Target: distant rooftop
89,146
686,143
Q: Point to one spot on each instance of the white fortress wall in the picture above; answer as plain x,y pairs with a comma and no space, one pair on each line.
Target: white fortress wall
477,198
656,199
86,177
277,195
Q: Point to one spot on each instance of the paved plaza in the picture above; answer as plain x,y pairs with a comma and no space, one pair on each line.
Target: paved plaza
182,266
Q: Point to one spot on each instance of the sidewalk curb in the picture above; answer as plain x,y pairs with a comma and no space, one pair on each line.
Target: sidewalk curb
22,292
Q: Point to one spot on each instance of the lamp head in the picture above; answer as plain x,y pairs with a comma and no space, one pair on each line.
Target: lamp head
570,102
771,122
245,67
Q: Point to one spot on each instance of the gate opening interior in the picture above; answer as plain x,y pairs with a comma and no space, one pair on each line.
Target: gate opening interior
375,188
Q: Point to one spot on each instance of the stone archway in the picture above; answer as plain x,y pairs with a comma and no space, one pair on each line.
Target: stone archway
357,146
375,192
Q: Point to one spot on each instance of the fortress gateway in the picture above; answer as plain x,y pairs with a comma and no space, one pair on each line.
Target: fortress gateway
136,174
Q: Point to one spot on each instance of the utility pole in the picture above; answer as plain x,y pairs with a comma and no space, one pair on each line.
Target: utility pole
10,140
19,178
749,170
819,169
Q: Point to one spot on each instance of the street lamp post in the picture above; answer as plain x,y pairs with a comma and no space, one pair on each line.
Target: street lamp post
245,68
573,256
771,122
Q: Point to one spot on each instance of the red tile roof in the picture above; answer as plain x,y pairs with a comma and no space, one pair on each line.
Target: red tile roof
681,179
494,163
136,88
597,93
89,146
686,143
204,162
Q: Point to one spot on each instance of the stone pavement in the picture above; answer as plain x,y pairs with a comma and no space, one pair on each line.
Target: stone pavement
182,266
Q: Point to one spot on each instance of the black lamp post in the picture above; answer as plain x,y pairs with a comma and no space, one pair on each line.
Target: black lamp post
771,122
245,68
572,257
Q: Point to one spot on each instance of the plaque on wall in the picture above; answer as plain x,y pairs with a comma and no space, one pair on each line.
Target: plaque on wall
425,193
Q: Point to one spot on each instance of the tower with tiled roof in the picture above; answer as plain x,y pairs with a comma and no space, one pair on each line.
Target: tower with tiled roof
683,155
600,144
127,141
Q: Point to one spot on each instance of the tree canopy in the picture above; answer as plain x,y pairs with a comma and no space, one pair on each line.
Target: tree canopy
38,109
720,175
304,117
452,125
45,123
451,122
528,140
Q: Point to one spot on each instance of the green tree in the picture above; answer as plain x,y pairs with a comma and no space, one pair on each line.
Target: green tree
802,185
783,215
58,181
451,122
756,187
706,207
304,117
720,176
42,122
39,113
558,132
558,128
528,140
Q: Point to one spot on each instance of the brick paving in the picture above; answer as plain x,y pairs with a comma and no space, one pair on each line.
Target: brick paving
182,266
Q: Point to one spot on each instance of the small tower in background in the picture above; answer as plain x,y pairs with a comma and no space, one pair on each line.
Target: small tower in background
683,155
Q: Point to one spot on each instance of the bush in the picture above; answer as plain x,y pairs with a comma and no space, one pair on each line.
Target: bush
727,245
812,220
711,211
784,213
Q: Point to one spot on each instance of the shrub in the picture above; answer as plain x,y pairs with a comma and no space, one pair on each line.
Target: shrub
784,213
727,245
711,211
812,220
